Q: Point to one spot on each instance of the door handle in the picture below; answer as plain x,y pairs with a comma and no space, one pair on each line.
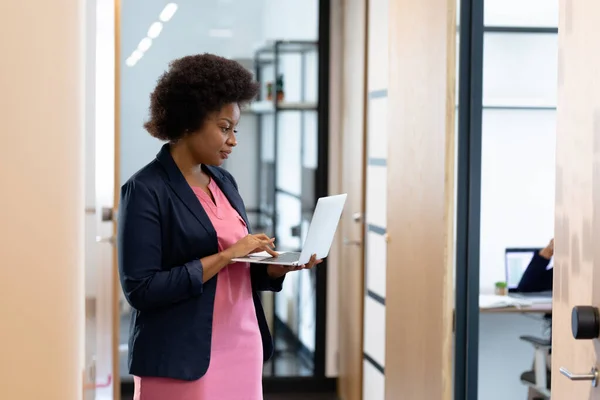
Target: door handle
592,376
107,239
357,217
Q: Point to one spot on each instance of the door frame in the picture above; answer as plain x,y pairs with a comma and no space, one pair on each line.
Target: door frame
116,314
468,199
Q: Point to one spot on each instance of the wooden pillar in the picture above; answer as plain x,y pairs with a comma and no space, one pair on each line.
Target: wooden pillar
41,207
419,301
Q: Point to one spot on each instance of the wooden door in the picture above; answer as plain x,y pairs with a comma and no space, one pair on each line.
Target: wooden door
351,288
577,223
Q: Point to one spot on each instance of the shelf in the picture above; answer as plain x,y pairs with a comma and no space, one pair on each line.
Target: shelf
266,106
289,46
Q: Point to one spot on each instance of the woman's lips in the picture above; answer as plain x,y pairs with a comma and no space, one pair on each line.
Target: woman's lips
224,155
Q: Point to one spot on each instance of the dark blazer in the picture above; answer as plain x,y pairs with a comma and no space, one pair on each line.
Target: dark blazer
537,277
163,232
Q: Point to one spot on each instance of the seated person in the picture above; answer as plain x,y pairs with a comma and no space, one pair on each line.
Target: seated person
537,276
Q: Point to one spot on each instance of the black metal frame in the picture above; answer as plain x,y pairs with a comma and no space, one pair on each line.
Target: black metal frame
519,29
468,200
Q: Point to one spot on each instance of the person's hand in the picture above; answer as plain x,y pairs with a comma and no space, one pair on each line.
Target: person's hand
252,244
548,251
277,271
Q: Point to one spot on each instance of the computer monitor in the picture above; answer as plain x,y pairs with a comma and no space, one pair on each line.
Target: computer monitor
516,261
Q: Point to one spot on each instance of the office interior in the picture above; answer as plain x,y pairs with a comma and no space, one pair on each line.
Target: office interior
325,122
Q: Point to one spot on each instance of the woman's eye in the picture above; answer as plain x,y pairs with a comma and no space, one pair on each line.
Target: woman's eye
224,130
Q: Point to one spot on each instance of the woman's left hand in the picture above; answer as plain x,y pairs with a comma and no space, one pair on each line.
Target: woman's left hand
277,271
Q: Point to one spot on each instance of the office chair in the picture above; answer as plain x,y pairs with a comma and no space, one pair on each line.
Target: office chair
538,378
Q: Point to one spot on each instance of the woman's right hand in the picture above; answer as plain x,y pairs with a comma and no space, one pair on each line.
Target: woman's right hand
252,244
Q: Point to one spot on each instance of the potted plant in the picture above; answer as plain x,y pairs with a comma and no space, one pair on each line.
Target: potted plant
501,288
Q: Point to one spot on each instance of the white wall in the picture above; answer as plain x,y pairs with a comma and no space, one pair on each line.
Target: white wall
291,19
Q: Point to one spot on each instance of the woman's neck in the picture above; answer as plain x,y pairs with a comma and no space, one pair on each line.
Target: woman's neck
191,170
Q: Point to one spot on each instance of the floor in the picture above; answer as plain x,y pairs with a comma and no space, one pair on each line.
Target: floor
305,396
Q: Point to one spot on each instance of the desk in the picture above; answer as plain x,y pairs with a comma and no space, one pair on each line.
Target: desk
545,308
490,303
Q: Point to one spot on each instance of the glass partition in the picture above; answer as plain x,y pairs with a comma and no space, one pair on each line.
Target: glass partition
505,216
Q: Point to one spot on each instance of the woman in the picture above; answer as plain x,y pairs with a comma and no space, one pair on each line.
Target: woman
198,330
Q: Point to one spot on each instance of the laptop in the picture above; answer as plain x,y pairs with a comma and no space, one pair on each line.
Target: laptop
516,262
319,237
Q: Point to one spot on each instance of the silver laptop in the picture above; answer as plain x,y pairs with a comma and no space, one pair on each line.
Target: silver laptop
319,238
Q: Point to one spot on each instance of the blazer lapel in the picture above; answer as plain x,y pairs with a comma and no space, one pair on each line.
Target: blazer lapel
229,191
183,190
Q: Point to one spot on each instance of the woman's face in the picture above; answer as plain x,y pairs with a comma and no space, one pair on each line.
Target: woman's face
214,141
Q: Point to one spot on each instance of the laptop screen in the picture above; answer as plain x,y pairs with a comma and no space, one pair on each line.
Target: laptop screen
516,262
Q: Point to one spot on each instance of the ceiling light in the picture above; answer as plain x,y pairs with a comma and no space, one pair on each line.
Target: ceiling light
222,33
145,44
137,54
131,61
155,30
168,12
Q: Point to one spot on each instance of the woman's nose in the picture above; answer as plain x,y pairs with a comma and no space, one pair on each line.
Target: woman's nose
232,140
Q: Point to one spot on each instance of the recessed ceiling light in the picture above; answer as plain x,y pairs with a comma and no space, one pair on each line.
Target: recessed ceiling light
168,12
155,30
137,54
131,61
221,33
134,58
145,44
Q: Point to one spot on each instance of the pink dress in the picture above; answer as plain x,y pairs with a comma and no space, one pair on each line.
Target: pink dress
236,359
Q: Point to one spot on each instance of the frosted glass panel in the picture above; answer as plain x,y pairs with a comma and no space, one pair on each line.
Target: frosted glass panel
520,69
517,185
288,217
289,152
378,45
377,130
534,13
